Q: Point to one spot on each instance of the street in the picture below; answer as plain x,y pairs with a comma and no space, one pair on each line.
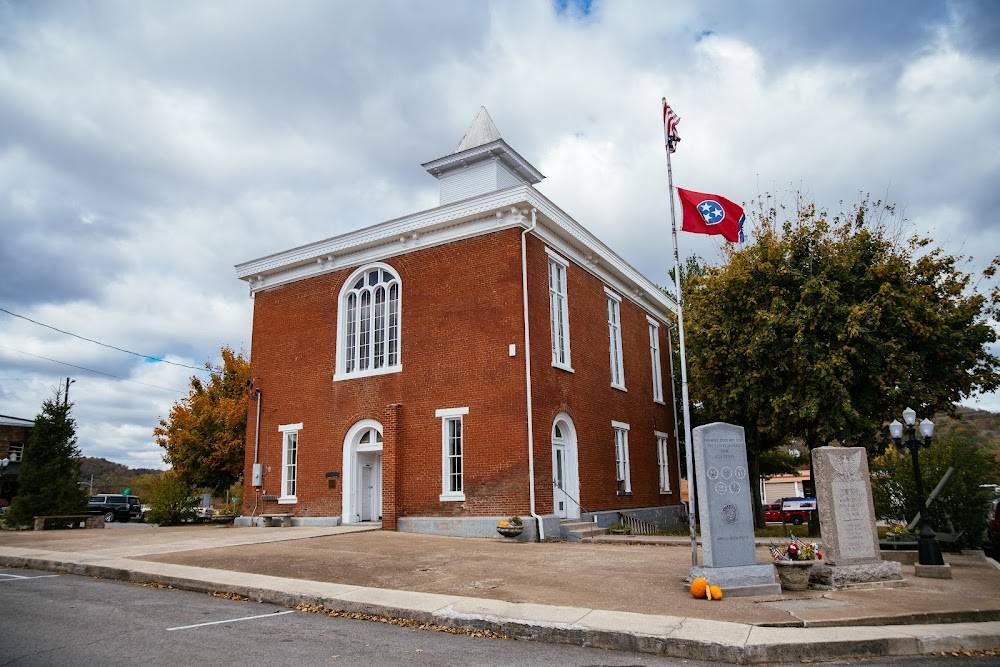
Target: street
60,620
51,619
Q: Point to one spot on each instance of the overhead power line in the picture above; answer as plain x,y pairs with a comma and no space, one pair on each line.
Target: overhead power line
91,370
91,340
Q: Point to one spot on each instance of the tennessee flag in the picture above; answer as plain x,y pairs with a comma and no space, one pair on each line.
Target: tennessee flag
711,214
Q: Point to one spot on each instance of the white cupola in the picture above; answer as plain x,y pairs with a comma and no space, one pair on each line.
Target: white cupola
482,163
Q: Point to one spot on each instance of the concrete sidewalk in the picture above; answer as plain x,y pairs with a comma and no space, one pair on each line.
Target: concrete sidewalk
614,596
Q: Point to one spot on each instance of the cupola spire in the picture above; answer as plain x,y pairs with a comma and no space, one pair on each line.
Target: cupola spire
482,163
481,131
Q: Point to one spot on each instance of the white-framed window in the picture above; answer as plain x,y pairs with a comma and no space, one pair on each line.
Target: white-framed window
654,355
452,453
368,323
289,462
623,475
559,311
615,339
661,461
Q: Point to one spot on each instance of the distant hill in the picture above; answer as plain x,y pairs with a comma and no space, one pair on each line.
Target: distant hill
984,425
111,477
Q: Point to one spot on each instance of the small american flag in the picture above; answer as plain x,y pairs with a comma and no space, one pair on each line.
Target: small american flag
670,122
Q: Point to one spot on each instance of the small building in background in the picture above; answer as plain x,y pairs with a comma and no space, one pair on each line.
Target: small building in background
14,434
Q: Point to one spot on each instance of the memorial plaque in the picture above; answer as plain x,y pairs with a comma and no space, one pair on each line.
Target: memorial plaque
720,457
844,503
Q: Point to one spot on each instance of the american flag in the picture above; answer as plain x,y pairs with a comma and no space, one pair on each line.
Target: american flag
670,122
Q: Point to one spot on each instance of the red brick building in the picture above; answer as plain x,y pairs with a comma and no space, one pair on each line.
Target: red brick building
437,372
14,434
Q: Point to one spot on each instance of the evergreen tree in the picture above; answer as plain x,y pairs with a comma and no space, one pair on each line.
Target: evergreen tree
48,482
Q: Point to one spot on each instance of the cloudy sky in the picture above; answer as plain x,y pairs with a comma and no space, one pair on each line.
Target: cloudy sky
146,148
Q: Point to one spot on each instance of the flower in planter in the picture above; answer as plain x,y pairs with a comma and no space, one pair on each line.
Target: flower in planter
796,550
503,524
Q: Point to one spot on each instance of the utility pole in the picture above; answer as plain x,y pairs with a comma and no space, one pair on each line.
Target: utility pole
66,395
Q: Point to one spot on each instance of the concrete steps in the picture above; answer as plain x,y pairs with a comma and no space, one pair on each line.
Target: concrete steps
574,530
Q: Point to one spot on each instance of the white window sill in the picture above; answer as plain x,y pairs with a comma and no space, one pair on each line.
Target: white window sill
619,387
660,401
451,497
339,375
288,500
563,367
665,492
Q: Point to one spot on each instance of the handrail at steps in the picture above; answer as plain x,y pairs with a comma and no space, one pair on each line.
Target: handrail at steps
638,526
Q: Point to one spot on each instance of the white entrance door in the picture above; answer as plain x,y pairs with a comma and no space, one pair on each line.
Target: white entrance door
366,493
559,498
369,490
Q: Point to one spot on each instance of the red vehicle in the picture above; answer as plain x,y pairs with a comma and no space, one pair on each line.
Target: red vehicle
795,511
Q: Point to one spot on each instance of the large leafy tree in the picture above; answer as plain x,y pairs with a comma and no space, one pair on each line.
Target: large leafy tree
48,482
205,432
823,328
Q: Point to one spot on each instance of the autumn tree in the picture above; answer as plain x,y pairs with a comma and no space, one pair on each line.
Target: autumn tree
205,432
48,482
823,329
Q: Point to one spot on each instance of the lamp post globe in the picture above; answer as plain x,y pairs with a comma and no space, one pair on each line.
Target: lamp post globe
928,549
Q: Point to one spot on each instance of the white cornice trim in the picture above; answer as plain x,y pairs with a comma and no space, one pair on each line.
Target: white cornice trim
459,220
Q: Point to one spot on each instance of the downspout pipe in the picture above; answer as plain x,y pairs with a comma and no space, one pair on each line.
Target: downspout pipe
256,431
527,378
256,448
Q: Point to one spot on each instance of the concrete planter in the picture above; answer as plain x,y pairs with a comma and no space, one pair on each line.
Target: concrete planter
510,532
794,574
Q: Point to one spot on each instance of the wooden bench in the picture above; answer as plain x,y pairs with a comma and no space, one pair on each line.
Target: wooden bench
71,521
269,520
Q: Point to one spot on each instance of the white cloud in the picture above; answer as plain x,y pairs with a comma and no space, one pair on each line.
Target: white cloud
145,149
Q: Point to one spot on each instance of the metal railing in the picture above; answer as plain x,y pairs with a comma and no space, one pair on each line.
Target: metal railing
638,526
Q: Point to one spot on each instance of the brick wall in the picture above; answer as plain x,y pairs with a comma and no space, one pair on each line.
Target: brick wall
16,435
461,309
587,396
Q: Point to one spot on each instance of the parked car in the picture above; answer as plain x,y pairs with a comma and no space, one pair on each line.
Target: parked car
135,509
795,511
114,507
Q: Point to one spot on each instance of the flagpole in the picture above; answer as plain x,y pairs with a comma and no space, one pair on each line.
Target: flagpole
692,505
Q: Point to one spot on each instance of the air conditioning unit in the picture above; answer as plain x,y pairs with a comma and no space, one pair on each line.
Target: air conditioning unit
14,457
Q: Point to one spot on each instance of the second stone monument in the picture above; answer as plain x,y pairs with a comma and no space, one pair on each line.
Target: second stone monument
847,522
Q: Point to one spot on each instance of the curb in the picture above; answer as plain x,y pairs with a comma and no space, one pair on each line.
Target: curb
671,636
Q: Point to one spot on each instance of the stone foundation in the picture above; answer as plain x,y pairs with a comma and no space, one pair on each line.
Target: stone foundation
739,581
868,575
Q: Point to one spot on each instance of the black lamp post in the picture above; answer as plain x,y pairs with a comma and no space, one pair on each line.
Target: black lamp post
928,549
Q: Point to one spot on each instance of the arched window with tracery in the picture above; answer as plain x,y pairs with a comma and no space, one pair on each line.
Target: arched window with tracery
369,325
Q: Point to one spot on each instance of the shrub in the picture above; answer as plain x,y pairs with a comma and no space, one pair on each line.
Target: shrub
171,501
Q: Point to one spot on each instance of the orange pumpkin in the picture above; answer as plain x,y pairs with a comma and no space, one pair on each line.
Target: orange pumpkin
716,593
698,587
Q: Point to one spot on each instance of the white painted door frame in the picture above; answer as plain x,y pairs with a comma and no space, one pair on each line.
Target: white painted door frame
370,453
564,446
